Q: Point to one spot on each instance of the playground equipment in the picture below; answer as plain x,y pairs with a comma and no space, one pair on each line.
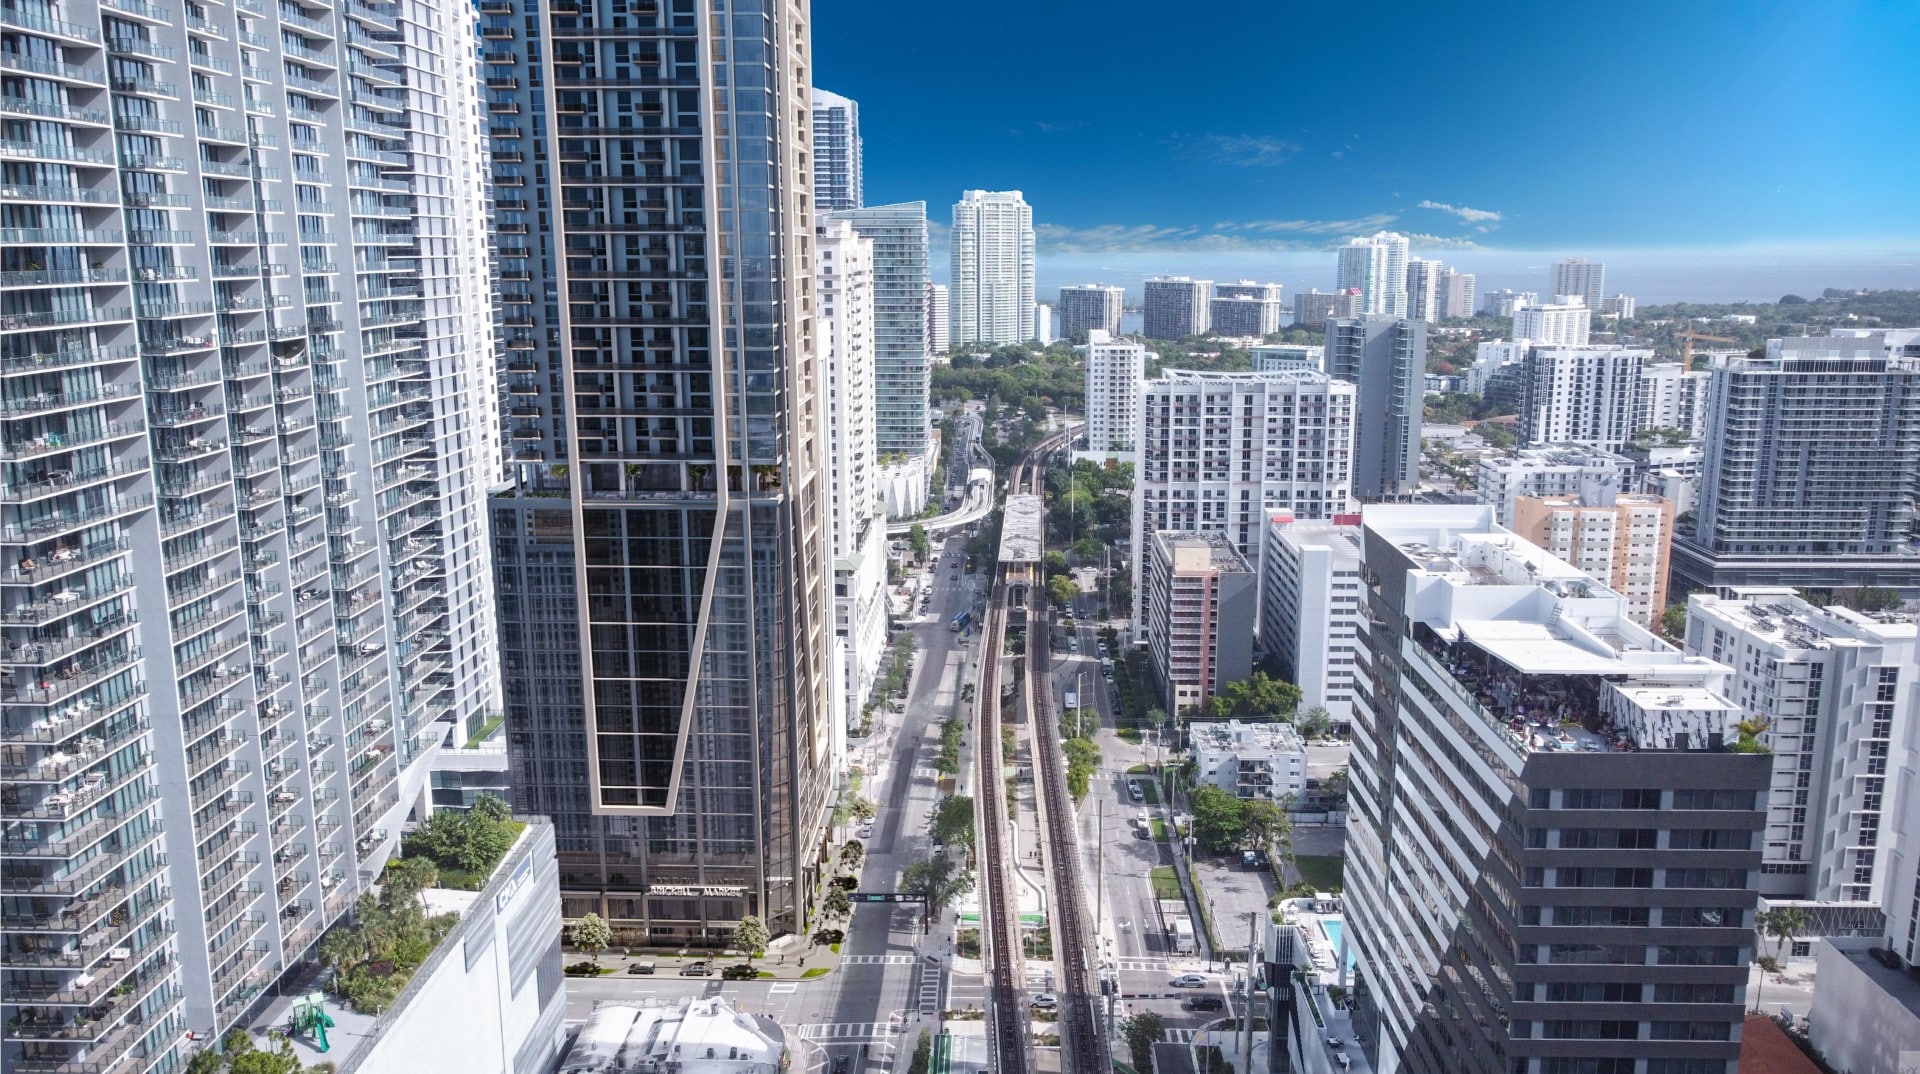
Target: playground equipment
310,1016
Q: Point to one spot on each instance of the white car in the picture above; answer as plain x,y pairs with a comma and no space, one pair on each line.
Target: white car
866,831
1046,999
1189,980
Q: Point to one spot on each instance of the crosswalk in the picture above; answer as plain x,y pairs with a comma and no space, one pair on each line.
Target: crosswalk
878,960
929,992
1145,965
848,1031
1179,1036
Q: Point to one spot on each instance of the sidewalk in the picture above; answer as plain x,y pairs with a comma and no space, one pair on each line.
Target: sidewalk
796,965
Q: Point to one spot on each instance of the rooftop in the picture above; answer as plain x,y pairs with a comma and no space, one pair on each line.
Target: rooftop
1265,376
1538,458
691,1036
1194,552
1236,736
1781,617
1020,528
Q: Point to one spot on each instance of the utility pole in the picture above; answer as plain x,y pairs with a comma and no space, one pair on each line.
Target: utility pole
1246,1035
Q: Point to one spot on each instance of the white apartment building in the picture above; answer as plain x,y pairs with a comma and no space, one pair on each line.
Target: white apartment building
1377,267
1578,278
1491,357
1221,452
1245,309
1561,470
845,327
1197,598
1423,289
1254,762
1504,302
1456,294
1087,306
1836,689
1623,537
1115,370
1279,357
1670,396
1579,395
1621,306
1312,617
1042,323
992,295
1174,307
248,418
1560,323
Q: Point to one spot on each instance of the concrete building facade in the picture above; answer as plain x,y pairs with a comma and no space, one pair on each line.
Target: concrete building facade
1669,396
991,286
1254,762
666,582
1199,594
1562,470
1504,302
1086,307
1579,395
1835,689
939,327
1552,850
243,326
1245,309
1115,370
1791,496
1174,307
1553,324
1221,452
1386,359
1579,278
1313,309
1312,613
1280,357
1625,538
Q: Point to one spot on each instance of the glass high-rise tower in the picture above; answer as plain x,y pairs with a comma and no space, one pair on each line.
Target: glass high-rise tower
243,313
661,549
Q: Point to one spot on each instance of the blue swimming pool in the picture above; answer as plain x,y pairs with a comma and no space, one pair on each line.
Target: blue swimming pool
1333,927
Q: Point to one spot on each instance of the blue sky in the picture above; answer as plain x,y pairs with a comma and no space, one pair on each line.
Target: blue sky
1268,127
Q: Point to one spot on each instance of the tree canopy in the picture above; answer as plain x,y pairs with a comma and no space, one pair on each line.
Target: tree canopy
1260,697
952,821
1219,819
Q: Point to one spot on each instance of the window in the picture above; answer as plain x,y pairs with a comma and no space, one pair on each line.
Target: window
1608,838
1595,954
1593,992
1708,799
1709,839
1689,1031
1622,916
1590,1029
1698,955
1706,878
1607,798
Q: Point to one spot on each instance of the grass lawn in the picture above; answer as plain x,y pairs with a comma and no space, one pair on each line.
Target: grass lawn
1128,734
1166,883
1323,872
1139,770
1160,829
1151,790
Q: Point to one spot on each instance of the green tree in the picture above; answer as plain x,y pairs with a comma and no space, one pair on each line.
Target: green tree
836,903
863,808
1261,696
750,936
1142,1032
952,821
1054,563
1314,722
1062,589
1782,924
591,934
244,1058
1219,819
1089,548
940,879
1335,788
1079,723
1266,826
852,854
1083,759
1673,621
917,540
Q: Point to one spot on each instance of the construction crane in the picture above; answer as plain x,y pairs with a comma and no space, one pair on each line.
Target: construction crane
1688,336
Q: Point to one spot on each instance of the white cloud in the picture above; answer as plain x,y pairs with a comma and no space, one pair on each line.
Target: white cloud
1485,219
1239,150
1224,235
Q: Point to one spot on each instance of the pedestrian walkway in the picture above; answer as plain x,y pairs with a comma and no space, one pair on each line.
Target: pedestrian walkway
928,996
877,960
1146,964
851,1031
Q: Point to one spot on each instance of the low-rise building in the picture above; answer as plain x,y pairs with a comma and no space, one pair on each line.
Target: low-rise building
1866,1012
1252,761
1199,598
1281,357
1559,470
692,1036
1625,538
1312,619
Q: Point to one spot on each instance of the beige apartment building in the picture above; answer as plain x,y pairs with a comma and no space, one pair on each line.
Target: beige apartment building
1625,538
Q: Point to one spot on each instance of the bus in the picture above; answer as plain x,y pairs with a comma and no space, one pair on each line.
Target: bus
960,621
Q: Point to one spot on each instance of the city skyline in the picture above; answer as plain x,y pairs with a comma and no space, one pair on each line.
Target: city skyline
1253,177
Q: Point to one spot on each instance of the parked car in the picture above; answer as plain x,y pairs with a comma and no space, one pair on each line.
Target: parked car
1046,1000
1206,1003
643,966
866,831
702,968
1134,792
1189,980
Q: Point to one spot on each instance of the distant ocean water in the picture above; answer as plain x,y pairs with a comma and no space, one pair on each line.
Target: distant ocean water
1651,276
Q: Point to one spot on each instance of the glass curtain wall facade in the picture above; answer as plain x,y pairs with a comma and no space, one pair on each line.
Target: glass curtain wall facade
661,548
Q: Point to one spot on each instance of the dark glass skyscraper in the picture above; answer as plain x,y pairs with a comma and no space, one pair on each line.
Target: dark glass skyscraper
661,547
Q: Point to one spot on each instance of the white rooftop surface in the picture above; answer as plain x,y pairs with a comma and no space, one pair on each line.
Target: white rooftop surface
1020,528
447,900
695,1036
1533,648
